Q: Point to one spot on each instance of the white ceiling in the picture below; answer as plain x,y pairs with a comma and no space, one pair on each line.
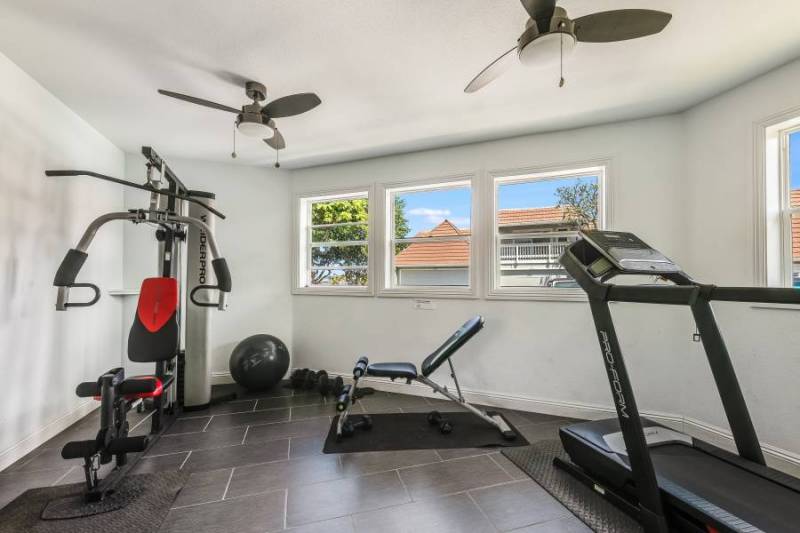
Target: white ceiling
390,72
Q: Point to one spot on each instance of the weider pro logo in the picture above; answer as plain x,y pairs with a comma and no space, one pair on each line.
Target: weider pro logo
622,405
201,279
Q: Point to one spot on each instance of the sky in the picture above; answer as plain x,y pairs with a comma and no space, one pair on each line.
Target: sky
794,159
426,209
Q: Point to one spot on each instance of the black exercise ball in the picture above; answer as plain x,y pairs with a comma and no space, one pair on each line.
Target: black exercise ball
259,362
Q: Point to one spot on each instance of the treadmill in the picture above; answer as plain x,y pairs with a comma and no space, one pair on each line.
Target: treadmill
666,479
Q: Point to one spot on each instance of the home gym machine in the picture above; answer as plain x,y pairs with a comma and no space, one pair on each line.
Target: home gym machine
666,479
346,425
180,216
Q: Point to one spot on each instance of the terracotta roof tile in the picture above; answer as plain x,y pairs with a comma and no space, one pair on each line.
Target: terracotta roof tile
441,253
536,215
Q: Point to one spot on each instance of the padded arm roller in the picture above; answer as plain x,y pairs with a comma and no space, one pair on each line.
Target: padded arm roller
361,367
69,268
129,444
78,449
138,386
88,389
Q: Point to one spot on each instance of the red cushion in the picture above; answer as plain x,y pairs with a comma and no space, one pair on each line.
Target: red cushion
158,301
156,392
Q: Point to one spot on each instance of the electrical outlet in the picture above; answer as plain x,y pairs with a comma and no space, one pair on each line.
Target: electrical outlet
426,305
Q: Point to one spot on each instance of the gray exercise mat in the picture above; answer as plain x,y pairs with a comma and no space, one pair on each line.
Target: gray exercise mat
537,461
144,513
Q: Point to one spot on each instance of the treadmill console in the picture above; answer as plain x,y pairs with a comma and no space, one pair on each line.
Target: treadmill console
626,253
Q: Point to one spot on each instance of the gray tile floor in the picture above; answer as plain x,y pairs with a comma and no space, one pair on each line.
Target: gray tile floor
256,466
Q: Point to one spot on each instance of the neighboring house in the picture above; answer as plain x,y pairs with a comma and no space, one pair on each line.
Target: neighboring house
435,263
530,241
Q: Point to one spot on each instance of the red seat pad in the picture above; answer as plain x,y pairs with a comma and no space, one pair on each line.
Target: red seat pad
158,301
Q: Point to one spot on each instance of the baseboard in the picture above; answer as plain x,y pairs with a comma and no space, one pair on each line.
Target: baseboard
32,441
778,458
221,378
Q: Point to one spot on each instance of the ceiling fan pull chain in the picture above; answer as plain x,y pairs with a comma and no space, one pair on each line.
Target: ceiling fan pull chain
277,157
233,154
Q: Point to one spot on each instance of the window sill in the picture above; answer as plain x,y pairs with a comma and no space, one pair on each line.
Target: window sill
332,291
542,295
428,292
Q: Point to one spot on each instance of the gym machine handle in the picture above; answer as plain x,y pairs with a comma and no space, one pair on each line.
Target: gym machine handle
361,367
224,285
65,280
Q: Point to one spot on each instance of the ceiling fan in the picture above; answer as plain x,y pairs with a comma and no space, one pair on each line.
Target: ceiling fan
550,34
255,120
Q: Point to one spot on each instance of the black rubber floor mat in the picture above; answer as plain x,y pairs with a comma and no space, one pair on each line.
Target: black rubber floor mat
411,431
537,461
143,513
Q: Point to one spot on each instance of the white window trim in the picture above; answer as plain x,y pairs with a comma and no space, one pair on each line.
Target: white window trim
599,167
384,256
771,200
299,239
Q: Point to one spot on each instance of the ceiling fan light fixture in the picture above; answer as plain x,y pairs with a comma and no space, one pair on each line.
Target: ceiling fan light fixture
545,50
253,127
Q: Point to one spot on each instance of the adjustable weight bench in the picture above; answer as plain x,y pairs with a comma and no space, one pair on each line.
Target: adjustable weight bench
408,371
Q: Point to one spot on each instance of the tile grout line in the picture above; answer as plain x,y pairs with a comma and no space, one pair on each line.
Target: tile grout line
501,466
207,424
288,449
480,509
228,484
405,488
139,423
185,459
244,437
70,469
285,508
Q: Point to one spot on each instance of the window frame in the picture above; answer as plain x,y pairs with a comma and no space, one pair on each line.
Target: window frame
599,168
786,210
301,236
385,277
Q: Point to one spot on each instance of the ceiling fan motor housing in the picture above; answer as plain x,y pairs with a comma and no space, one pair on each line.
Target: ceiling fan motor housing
560,24
251,122
255,91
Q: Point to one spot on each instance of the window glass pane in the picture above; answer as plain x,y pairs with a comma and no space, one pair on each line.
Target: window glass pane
536,221
339,256
426,216
433,264
347,232
339,277
337,211
796,248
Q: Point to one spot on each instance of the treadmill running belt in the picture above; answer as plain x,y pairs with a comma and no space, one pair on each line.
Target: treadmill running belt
763,503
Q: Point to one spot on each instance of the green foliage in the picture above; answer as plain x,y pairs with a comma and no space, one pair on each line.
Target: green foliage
340,257
580,203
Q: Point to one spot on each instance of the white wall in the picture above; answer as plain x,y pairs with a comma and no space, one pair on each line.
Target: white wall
533,350
44,354
720,205
254,238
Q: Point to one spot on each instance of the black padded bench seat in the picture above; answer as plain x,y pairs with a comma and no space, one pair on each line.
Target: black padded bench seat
393,370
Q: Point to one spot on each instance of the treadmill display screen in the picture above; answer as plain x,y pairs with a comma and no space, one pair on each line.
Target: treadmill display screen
629,254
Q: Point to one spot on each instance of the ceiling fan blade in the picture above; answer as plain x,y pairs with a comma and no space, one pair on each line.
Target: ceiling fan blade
541,11
293,104
199,101
492,72
620,25
276,141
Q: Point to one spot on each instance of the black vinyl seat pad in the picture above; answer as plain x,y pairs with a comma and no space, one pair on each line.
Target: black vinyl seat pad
393,370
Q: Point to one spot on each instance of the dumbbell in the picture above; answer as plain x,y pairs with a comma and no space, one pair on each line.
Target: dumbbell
323,383
362,422
343,400
311,380
435,418
298,378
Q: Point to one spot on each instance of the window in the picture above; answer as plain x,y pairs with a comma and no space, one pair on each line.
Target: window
536,216
428,241
334,242
790,207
